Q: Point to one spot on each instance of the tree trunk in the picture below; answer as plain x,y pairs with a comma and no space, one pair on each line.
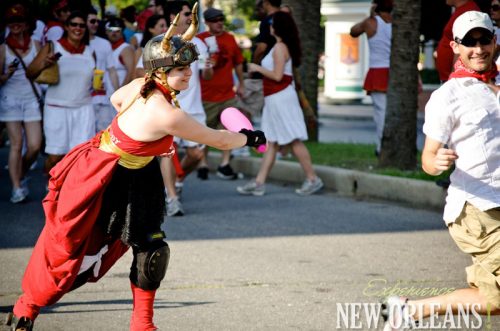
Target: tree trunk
399,148
307,15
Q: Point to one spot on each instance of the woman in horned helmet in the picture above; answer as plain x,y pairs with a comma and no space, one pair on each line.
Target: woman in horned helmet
107,194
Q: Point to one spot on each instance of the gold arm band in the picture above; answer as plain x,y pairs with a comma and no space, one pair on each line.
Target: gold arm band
127,160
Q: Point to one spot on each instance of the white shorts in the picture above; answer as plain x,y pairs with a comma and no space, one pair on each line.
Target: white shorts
14,109
200,118
65,127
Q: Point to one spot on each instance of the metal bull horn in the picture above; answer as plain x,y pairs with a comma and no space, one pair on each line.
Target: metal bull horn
165,43
193,28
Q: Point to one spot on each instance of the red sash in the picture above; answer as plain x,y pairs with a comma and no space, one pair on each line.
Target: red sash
272,86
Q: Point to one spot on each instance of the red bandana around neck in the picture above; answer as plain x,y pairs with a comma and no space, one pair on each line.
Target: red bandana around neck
70,48
461,71
117,43
164,90
14,44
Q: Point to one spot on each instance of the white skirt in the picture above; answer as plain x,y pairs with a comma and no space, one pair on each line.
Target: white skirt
282,118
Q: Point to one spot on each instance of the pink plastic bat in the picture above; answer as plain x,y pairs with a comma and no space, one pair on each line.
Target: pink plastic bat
234,120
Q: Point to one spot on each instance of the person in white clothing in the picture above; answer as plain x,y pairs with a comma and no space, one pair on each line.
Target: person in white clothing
190,102
19,99
282,118
68,118
123,53
101,47
59,12
462,121
378,29
495,17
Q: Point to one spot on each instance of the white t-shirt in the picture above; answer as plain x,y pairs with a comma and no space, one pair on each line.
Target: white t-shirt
75,79
104,61
464,114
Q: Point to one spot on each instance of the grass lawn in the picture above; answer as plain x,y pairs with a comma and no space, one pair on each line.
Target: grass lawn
357,157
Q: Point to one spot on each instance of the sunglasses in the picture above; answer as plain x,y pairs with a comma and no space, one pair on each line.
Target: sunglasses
80,25
188,13
94,21
469,41
495,7
215,20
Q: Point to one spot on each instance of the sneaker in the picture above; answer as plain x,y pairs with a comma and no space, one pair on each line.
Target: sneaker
226,172
174,207
203,173
252,188
18,195
310,187
395,311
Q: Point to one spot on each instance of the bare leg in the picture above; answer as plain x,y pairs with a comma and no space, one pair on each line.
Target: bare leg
15,132
168,174
192,158
302,154
267,162
33,132
51,161
226,157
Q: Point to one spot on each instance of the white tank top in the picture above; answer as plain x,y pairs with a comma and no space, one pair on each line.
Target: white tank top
18,85
268,63
75,79
380,45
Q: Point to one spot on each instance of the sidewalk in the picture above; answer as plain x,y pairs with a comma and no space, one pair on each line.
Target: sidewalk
352,183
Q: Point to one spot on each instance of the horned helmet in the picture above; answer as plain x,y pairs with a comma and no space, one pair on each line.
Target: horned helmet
167,51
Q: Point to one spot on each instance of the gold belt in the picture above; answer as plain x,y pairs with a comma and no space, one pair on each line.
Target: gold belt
126,160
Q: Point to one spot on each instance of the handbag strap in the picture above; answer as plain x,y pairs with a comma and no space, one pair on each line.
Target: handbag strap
19,57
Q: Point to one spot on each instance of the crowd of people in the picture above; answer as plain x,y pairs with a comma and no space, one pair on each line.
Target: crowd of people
111,110
65,69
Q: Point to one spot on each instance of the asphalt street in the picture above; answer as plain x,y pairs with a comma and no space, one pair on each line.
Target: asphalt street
277,262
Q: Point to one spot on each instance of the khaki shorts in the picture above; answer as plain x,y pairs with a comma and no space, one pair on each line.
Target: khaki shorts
213,110
478,234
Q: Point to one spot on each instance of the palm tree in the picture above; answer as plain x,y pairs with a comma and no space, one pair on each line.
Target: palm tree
307,15
399,148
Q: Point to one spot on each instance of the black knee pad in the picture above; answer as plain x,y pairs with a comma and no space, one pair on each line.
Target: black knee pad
151,266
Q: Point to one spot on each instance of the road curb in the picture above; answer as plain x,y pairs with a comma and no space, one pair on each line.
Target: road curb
347,182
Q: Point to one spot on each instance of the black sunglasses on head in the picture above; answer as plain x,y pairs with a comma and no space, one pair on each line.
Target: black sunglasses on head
80,25
469,41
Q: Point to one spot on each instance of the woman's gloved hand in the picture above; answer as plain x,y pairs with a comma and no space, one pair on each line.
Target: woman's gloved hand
254,138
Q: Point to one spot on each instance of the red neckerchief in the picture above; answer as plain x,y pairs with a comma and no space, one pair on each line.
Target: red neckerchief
14,44
164,90
461,71
118,43
70,48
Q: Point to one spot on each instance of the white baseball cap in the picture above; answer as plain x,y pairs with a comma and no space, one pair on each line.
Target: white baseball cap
471,20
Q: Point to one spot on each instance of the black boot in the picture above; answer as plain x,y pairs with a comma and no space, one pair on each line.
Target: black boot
19,324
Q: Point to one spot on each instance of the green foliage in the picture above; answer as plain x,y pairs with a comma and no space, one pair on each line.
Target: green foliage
357,157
